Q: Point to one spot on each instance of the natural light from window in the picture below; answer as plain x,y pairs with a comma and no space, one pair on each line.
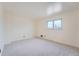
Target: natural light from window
57,24
50,24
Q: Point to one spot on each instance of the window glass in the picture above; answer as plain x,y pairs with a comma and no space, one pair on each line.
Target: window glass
57,24
50,24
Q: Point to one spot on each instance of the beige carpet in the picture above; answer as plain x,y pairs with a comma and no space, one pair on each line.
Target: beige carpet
38,47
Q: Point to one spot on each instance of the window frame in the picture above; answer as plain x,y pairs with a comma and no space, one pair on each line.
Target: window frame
53,20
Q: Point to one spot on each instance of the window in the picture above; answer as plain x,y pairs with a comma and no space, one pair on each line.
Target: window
57,24
50,24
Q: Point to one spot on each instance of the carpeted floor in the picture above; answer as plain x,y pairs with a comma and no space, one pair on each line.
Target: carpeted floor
38,47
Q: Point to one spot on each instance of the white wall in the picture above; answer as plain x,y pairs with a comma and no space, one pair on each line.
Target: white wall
1,29
18,27
77,29
68,34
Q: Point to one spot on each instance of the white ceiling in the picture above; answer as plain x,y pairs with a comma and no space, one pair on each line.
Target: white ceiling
38,9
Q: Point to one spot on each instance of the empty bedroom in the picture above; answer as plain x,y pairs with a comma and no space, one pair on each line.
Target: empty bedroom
39,28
